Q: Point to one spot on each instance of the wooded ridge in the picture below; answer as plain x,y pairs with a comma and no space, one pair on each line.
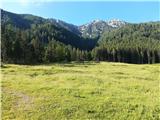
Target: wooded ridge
29,39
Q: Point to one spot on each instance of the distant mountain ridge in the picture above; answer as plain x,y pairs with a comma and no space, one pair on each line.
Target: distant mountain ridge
61,31
95,28
68,26
91,30
31,39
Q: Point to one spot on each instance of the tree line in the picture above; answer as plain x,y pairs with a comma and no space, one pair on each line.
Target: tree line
37,45
136,43
45,43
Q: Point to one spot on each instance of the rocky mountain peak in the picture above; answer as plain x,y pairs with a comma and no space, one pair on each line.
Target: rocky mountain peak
116,23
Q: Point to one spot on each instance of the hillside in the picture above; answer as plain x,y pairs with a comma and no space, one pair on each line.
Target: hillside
133,43
29,39
60,31
96,28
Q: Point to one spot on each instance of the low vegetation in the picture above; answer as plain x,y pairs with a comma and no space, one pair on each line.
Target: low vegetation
112,91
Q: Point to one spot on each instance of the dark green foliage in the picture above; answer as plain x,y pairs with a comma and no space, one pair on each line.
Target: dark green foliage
21,21
45,30
48,31
136,43
36,46
27,39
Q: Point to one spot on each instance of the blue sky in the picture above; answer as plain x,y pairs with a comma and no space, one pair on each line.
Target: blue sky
82,12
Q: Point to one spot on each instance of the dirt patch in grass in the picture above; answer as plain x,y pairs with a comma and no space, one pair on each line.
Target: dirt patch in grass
22,100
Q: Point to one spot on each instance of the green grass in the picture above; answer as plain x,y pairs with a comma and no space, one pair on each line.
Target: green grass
92,91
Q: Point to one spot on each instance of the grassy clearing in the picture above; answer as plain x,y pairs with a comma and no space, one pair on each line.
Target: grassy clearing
113,91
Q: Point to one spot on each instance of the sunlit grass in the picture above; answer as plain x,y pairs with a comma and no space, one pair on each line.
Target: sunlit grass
114,91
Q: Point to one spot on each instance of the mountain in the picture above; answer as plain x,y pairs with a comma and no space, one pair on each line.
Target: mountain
82,37
95,28
68,26
61,31
132,43
116,23
150,30
29,39
91,30
22,21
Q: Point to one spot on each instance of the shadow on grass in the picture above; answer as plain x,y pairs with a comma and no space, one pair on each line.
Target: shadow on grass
71,64
5,66
79,63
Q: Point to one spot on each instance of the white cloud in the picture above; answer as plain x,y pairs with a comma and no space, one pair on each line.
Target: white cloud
24,2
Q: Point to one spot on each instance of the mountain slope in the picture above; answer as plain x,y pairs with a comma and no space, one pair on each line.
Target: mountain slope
92,30
146,30
96,28
31,39
22,21
59,31
68,26
133,43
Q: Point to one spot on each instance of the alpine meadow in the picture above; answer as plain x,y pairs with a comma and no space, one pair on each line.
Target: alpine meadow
102,69
80,91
